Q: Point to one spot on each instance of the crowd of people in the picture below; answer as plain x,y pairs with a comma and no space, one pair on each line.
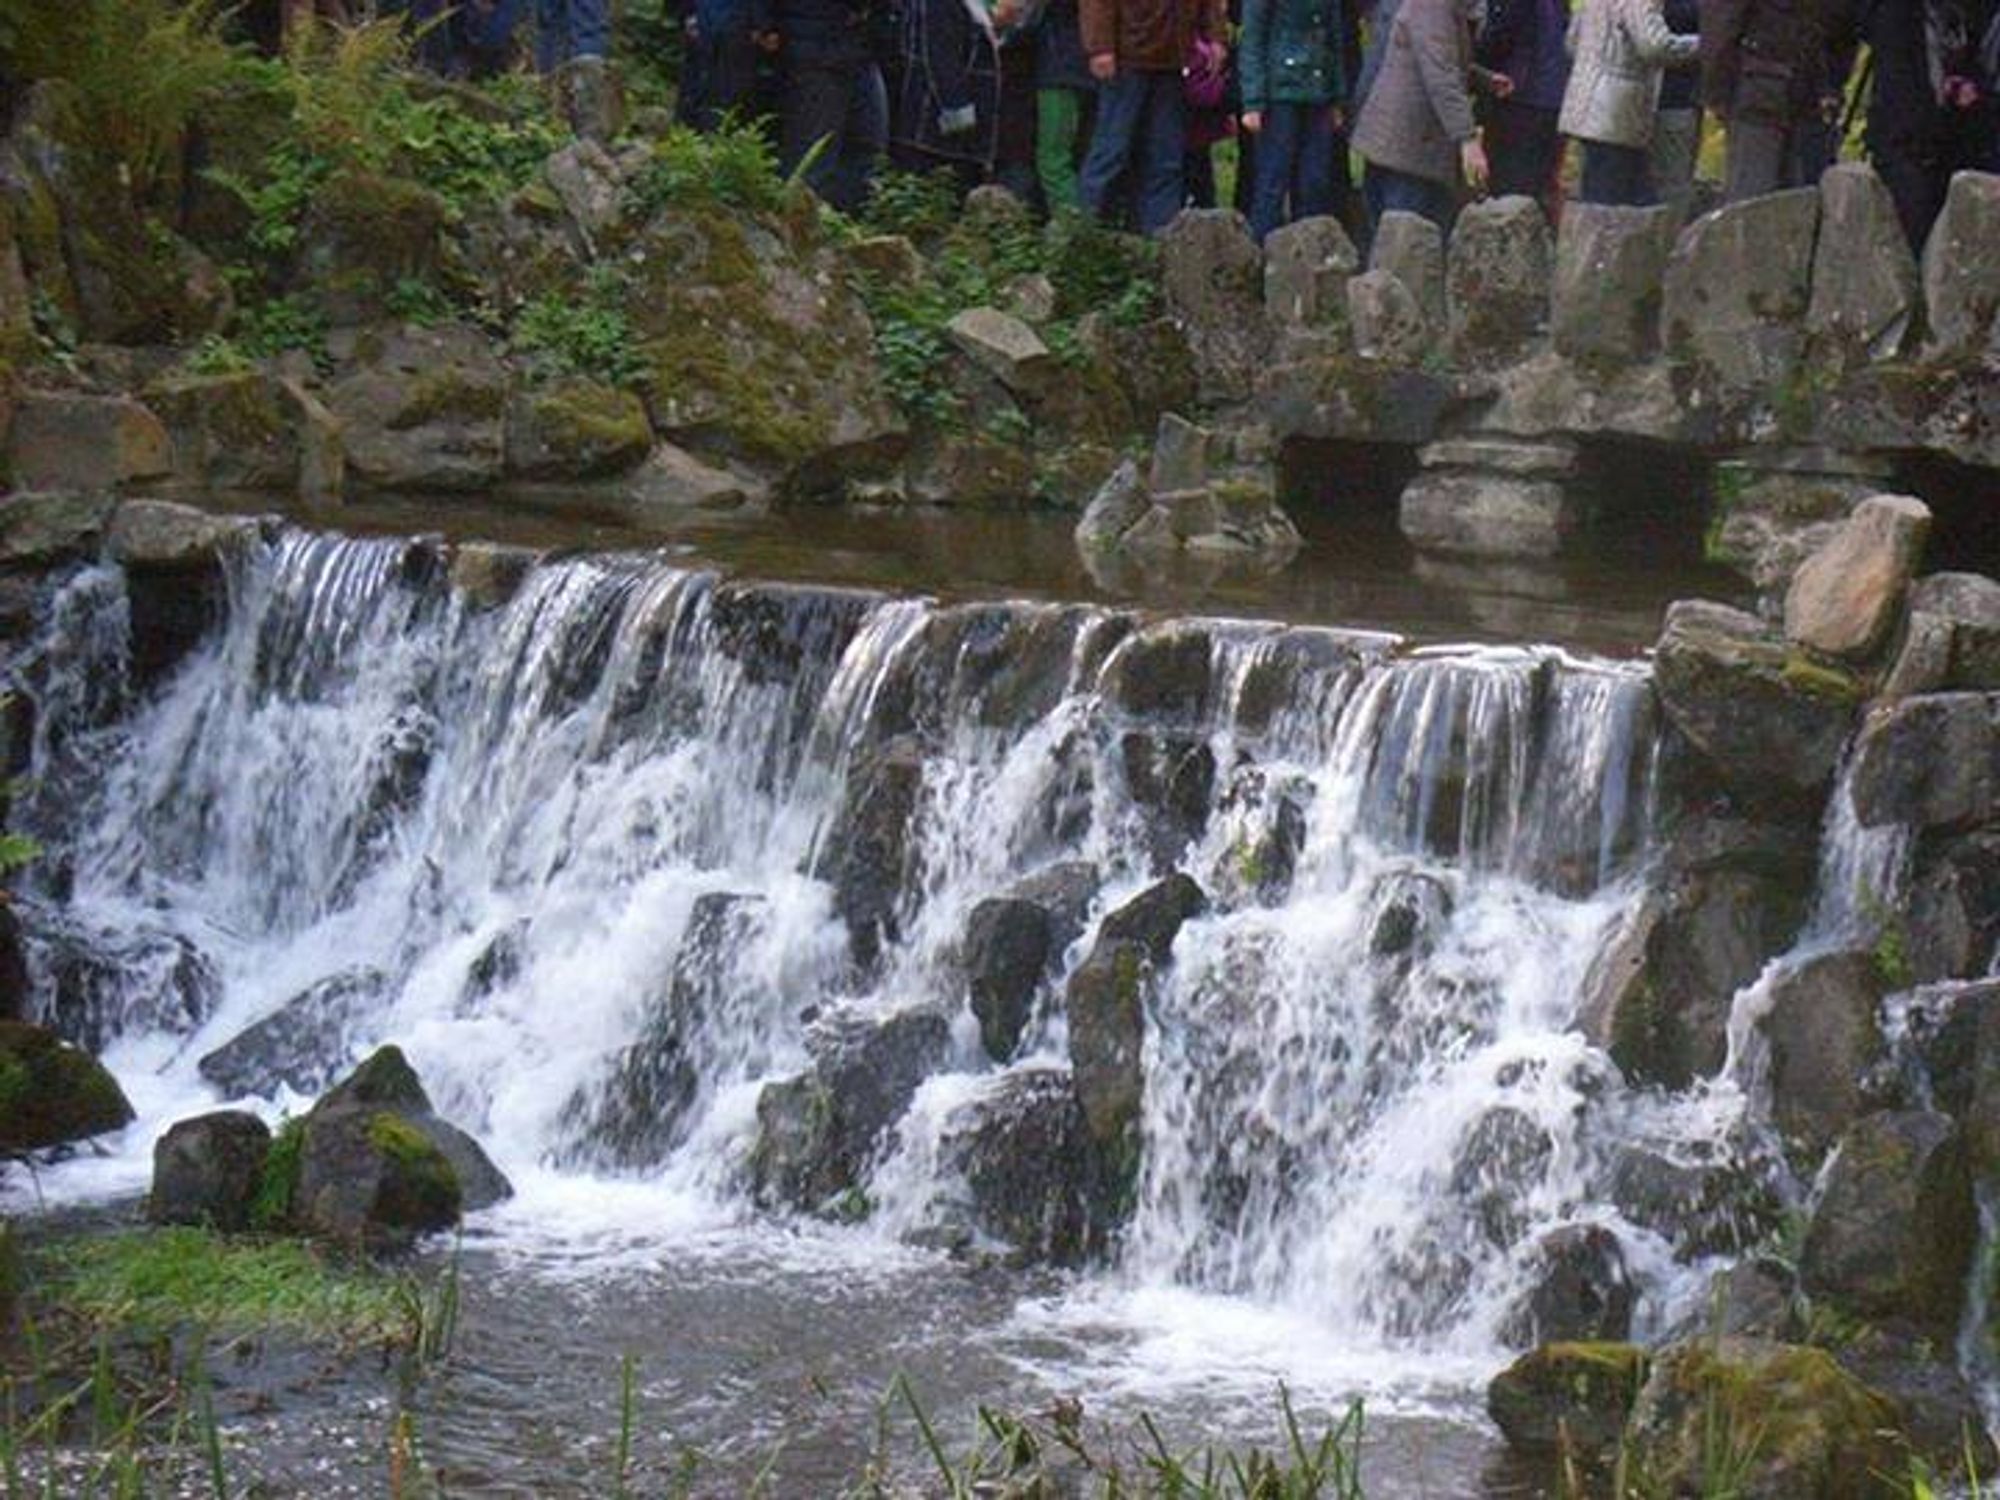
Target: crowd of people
1113,107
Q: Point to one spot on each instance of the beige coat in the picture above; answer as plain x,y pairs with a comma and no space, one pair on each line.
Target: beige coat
1620,48
1420,107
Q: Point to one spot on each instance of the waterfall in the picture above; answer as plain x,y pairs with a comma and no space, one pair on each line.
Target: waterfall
593,856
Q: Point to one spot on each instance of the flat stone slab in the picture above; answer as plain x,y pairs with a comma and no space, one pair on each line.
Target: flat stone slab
1489,515
1501,455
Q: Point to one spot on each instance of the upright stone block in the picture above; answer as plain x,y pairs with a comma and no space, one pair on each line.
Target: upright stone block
1386,320
1864,279
1212,275
1610,266
1411,248
1961,272
1737,289
1501,265
1843,602
1306,266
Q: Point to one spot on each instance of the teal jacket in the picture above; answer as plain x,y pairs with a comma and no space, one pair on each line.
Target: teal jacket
1290,53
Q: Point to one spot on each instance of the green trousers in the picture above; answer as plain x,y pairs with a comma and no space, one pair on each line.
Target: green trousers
1058,119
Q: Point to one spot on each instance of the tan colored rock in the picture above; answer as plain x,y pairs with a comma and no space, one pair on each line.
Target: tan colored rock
489,574
161,534
1844,600
1005,347
673,479
61,441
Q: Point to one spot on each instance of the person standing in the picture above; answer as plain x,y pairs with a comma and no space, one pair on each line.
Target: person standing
1294,87
833,118
1064,93
1763,66
1677,131
1526,41
1613,98
1416,129
1136,50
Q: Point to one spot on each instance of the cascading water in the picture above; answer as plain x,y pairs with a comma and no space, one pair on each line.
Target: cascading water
595,856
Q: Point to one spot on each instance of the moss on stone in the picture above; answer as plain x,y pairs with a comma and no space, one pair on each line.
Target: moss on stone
448,395
580,418
1816,680
51,1093
278,1185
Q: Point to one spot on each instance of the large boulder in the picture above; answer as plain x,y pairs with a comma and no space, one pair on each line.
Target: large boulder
1769,724
1950,922
300,1045
1864,278
1819,1021
867,854
101,984
1386,321
1497,278
423,409
1581,1291
1932,761
1212,277
1893,1233
1610,264
1849,594
758,353
1727,898
52,1093
250,430
207,1170
818,1133
1482,513
1962,612
1961,277
1567,1397
1028,1168
1958,1049
60,440
575,429
1737,289
384,1080
1774,507
1780,1420
365,235
1013,942
1306,267
177,563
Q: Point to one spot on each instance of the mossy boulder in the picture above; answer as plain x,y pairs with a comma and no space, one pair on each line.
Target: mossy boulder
575,429
1780,1420
760,352
422,409
1567,1395
207,1170
249,430
364,235
52,1093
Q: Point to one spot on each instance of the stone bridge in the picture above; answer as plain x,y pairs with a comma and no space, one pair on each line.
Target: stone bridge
1757,370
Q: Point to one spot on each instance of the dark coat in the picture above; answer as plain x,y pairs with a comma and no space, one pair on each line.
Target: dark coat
1059,59
1904,112
1150,35
1764,61
1292,52
951,66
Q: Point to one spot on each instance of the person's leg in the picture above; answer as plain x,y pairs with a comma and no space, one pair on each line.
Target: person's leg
1755,160
811,121
1058,117
863,138
1121,104
1398,192
1609,174
1917,184
1197,177
551,34
1675,150
1510,151
1322,153
589,28
1162,151
1277,162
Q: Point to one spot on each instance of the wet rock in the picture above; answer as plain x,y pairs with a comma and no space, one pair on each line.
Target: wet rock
782,633
1950,922
1115,509
1770,724
1775,507
60,440
1005,347
1937,1410
1411,248
1503,1157
1582,1290
1171,782
1849,594
1306,266
867,854
1162,675
1932,761
16,989
1567,1396
423,409
1105,1001
104,984
1386,320
1959,1051
301,1044
1730,896
1212,278
251,430
44,529
1477,514
1260,866
1821,1028
176,561
490,574
51,1093
971,469
1011,945
575,429
1498,272
640,1113
1892,1235
1029,1169
364,235
1961,279
1864,279
207,1170
1153,918
1408,910
1737,289
819,1132
1610,263
157,534
671,480
1756,1298
1790,1421
1701,1207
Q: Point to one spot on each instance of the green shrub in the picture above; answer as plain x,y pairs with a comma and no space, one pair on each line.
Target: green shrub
582,331
733,167
271,1206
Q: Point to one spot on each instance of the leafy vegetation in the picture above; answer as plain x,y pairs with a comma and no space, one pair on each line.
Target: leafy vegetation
583,331
732,167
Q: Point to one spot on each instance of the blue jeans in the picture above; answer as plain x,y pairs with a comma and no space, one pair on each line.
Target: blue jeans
1140,127
1618,175
567,29
1297,153
1390,191
845,105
